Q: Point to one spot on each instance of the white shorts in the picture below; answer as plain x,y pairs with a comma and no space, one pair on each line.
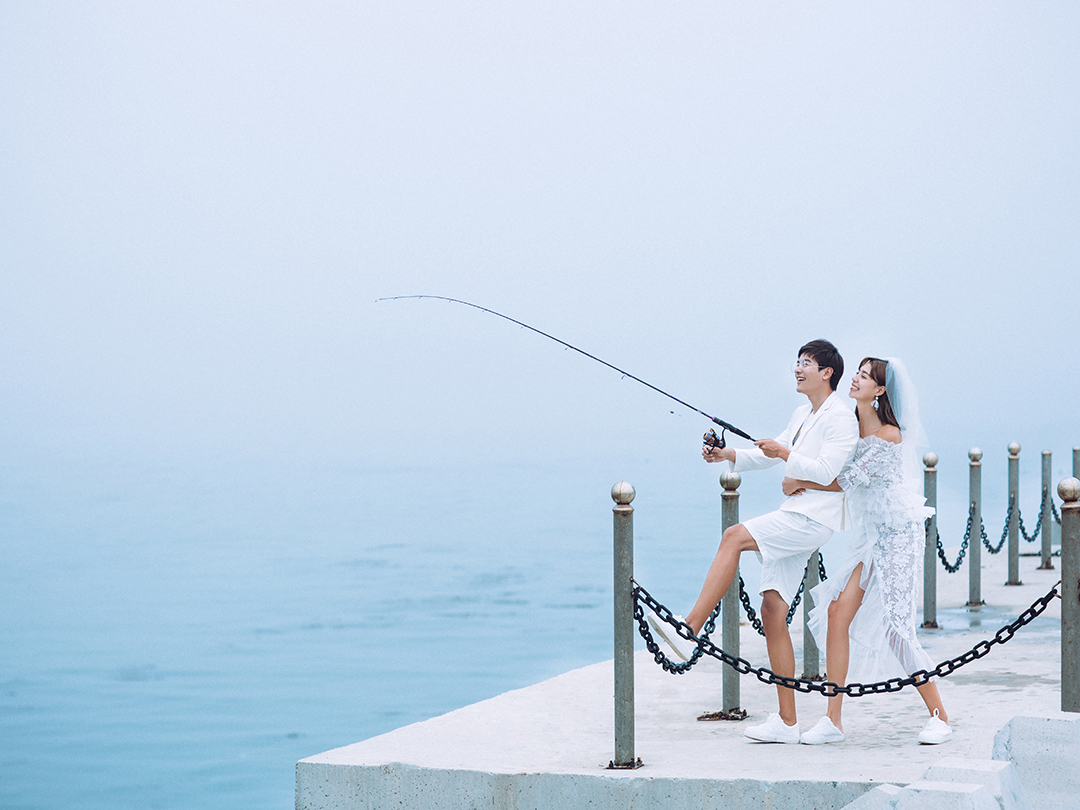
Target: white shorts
785,541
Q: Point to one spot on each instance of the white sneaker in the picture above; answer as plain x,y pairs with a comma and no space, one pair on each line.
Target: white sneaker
681,646
936,731
824,732
774,730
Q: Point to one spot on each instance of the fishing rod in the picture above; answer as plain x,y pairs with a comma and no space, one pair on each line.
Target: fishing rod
710,438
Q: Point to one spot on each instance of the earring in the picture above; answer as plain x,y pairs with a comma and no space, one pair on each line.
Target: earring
875,404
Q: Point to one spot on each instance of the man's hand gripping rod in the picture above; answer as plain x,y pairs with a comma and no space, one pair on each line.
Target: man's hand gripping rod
710,439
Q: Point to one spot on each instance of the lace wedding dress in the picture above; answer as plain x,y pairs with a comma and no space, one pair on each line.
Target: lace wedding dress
889,516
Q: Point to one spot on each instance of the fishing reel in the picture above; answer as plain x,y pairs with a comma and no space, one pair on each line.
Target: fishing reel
710,439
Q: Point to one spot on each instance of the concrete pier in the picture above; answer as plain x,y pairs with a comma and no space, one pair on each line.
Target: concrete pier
547,746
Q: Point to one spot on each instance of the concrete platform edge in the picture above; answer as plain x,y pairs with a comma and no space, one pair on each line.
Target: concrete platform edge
325,786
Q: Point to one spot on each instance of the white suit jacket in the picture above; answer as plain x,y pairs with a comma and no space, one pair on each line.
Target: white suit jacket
820,444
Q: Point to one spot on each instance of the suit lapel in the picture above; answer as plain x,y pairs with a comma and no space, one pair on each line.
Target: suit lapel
812,419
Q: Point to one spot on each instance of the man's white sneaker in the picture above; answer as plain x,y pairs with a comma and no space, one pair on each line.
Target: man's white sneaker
682,647
824,732
774,730
935,732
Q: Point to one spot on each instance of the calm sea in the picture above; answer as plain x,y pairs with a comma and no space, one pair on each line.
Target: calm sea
178,635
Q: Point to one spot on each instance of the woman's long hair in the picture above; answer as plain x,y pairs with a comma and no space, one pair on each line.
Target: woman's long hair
877,374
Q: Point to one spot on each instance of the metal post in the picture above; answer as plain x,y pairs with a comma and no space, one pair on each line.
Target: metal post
1069,490
811,659
729,611
1076,462
1047,515
622,493
975,544
929,596
1014,515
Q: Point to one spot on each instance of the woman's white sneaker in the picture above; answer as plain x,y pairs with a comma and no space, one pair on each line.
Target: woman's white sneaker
936,731
681,646
824,732
774,730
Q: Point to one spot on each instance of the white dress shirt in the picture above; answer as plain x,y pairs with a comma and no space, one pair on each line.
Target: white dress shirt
820,444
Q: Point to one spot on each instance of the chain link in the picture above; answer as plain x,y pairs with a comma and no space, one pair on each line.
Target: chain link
665,615
953,568
643,599
1004,532
751,614
1038,524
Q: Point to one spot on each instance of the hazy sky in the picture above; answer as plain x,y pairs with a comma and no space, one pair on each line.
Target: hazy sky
201,203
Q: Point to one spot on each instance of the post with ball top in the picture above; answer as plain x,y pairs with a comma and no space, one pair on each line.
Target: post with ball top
1069,491
622,493
929,599
1014,515
1047,515
729,612
975,544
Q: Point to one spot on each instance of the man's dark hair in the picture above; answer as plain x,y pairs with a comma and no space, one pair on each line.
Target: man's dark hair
825,355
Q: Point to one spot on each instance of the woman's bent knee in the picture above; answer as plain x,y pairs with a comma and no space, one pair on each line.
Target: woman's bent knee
834,611
841,613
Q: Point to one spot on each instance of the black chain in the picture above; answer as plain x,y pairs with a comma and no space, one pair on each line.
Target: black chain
744,667
1004,532
953,568
751,614
668,664
1038,524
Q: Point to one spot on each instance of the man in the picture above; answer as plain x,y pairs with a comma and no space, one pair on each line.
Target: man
818,441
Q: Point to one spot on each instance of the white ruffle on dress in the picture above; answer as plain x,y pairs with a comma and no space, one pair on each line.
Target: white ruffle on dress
889,516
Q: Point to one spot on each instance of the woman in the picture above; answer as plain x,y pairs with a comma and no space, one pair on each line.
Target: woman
865,613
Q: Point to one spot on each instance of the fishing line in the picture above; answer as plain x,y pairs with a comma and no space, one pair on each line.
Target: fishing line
715,441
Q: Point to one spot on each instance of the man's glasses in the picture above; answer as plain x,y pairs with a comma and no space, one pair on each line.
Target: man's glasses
802,364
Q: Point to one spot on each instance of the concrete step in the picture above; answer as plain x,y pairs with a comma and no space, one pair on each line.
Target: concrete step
877,799
926,795
1000,777
1045,752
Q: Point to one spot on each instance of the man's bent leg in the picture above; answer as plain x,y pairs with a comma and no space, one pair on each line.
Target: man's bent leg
781,652
721,574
